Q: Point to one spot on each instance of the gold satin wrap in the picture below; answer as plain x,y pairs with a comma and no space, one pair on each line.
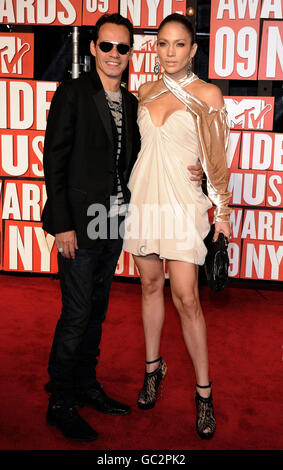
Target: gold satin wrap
213,136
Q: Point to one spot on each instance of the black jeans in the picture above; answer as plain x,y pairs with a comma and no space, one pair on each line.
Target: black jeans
85,283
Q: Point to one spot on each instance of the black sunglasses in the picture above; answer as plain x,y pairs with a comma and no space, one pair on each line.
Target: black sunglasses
107,46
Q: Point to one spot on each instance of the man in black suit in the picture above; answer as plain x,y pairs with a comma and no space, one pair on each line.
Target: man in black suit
91,143
81,168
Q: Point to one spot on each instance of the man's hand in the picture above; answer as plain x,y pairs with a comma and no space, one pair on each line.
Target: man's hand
67,241
197,173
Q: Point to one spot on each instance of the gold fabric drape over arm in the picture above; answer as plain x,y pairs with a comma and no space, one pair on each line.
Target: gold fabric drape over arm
213,133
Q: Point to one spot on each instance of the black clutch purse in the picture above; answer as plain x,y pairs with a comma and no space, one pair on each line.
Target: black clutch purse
217,260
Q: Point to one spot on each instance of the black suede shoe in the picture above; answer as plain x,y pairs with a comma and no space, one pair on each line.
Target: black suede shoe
49,387
99,401
70,423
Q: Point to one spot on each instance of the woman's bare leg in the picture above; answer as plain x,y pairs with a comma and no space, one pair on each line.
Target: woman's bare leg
152,280
184,287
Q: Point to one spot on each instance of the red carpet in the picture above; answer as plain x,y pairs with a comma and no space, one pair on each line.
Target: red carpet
245,345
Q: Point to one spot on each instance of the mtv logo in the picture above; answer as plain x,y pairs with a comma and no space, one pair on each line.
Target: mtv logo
14,58
249,112
146,43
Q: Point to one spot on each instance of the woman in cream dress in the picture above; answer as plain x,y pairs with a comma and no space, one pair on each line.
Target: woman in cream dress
181,119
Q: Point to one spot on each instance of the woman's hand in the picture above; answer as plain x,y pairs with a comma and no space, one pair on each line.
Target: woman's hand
223,227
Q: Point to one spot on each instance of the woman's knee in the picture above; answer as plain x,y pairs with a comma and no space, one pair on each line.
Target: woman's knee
152,285
187,305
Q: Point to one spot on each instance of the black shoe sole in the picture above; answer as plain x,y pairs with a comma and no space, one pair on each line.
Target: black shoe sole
144,406
51,422
206,436
112,413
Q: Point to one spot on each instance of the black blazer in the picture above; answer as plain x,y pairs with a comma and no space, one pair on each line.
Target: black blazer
79,157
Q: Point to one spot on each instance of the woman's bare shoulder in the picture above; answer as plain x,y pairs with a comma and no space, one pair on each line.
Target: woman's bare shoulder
208,92
147,89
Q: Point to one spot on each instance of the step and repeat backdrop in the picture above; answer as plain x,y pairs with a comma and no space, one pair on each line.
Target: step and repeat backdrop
246,43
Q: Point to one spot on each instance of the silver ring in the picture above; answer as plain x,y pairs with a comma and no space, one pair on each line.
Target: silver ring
60,250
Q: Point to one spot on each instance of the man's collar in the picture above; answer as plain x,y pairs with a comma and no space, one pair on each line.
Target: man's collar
96,81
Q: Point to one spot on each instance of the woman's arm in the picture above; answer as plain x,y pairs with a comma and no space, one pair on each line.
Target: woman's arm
216,159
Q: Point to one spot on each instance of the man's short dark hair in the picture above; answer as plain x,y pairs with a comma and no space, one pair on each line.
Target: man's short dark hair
114,18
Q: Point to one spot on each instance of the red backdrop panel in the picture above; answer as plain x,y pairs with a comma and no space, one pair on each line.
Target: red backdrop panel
23,199
248,187
271,52
28,248
16,55
150,14
21,153
262,260
142,64
261,151
234,38
1,224
93,9
250,112
25,103
56,12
